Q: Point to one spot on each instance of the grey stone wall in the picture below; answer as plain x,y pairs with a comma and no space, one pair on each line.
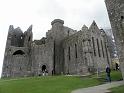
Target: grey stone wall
17,53
42,55
101,56
73,55
86,60
115,10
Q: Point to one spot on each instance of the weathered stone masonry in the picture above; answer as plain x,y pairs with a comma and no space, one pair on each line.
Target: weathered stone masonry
115,10
62,51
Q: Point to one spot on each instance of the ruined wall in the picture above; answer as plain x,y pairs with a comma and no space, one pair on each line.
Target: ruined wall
17,54
16,62
74,55
86,51
101,56
42,55
115,10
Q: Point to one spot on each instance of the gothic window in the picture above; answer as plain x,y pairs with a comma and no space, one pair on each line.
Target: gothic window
107,52
69,57
75,50
102,48
94,46
98,48
18,52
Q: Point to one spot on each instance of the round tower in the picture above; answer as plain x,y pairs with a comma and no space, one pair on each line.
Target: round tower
58,36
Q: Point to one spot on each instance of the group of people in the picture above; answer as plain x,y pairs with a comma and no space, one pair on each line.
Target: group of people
108,71
45,73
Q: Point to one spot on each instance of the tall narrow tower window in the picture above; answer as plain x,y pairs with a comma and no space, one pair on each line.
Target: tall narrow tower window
69,57
75,50
94,50
102,48
98,48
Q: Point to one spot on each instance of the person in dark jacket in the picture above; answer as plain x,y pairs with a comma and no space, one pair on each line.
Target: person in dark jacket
108,71
117,66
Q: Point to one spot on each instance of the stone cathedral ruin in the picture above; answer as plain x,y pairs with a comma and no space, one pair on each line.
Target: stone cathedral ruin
62,51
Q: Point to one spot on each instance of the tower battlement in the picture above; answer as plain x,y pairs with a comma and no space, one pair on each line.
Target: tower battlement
57,21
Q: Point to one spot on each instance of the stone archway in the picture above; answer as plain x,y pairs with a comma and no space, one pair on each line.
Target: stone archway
18,52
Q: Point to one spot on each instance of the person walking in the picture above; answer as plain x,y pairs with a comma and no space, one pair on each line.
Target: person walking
108,71
117,66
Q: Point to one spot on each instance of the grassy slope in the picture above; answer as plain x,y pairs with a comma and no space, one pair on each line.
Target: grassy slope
117,76
49,84
119,89
57,84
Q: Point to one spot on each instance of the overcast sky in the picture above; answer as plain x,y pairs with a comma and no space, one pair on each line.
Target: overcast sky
40,13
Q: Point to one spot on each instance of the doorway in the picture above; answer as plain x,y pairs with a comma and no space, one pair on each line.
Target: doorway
43,68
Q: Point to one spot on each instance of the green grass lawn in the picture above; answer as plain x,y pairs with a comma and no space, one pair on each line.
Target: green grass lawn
51,84
119,89
115,75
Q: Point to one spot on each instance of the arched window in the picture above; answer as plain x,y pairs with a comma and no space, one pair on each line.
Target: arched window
18,52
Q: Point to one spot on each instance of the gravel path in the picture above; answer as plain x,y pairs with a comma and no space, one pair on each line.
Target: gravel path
100,88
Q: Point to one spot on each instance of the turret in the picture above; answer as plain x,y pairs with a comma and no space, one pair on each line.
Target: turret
57,29
58,35
57,22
